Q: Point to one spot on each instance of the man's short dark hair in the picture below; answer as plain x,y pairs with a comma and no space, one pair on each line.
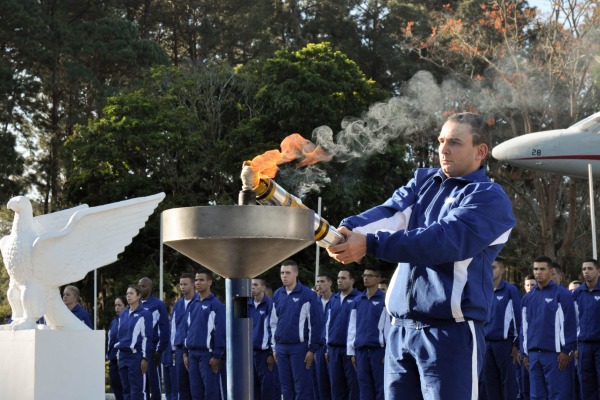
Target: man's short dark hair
593,261
375,269
500,260
384,281
290,263
327,277
187,275
480,129
529,278
349,271
209,275
545,259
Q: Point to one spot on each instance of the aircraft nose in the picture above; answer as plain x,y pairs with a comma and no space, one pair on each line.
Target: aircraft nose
501,152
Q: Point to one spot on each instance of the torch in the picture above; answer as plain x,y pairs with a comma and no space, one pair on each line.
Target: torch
269,193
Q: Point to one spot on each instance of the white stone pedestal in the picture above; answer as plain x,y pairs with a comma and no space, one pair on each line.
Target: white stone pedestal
51,365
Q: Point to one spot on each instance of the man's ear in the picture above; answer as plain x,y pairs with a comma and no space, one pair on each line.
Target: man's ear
482,151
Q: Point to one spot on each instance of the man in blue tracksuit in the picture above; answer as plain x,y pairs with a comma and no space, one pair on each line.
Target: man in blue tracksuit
178,333
259,308
341,371
502,338
368,327
205,342
320,369
161,335
295,328
549,335
445,227
587,305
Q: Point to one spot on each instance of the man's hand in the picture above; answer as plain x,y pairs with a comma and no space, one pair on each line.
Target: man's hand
270,363
327,357
214,364
353,249
275,356
144,365
563,361
353,358
186,361
309,359
526,362
515,355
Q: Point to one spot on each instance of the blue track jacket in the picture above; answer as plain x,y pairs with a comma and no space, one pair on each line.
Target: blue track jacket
295,317
261,331
444,233
83,315
206,325
505,316
549,322
369,322
338,316
179,322
160,322
135,331
587,306
113,331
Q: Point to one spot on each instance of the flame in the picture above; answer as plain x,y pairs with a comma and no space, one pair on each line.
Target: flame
293,147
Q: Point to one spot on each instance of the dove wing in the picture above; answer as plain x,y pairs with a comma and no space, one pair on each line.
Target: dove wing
54,221
93,238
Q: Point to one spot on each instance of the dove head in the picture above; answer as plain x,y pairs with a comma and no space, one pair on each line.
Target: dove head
20,204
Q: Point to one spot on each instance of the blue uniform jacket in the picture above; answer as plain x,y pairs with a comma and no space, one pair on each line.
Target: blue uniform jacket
369,322
444,233
160,322
179,322
549,321
135,331
338,316
261,331
505,315
205,328
295,317
113,331
587,305
323,317
83,315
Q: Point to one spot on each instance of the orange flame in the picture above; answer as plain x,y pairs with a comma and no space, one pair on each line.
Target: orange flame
292,147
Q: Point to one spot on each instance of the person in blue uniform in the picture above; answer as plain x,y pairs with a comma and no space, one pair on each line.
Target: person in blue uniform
368,327
161,335
295,327
134,345
169,370
587,305
502,338
523,373
205,342
111,352
444,228
341,371
178,333
72,298
259,308
549,335
320,368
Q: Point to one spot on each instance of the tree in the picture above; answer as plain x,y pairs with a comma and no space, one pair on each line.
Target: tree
69,56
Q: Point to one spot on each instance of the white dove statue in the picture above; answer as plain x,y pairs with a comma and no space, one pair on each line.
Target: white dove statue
45,252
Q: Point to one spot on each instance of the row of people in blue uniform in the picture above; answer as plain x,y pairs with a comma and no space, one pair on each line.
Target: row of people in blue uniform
319,345
302,341
545,345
